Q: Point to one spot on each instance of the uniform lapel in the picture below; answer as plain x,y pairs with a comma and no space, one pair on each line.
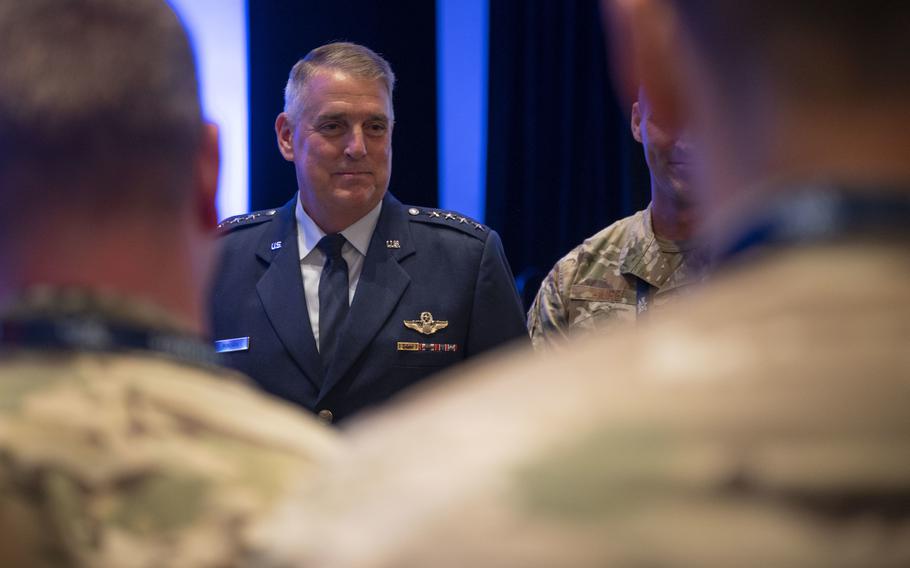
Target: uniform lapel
281,292
382,282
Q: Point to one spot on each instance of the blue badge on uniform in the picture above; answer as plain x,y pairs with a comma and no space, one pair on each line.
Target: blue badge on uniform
230,345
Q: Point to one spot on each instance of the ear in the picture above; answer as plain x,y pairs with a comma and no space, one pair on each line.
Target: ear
285,136
636,122
208,161
645,53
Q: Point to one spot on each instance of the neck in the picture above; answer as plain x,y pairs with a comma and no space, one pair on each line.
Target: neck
161,270
833,145
672,220
337,219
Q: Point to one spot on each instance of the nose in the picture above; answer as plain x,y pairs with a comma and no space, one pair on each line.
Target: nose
355,148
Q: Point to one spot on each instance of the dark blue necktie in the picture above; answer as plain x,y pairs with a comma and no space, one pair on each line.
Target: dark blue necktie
333,297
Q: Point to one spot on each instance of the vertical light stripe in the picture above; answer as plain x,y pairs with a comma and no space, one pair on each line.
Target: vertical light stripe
462,51
218,29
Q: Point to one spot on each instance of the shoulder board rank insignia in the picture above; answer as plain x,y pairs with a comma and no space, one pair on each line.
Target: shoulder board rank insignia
426,324
450,218
239,220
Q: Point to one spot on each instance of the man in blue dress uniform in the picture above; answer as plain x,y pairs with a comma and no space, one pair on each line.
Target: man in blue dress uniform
344,296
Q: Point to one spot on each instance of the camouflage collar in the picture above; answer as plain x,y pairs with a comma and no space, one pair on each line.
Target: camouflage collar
639,253
86,334
51,302
641,257
820,213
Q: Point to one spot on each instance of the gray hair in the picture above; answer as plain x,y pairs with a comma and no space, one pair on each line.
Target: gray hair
354,59
96,96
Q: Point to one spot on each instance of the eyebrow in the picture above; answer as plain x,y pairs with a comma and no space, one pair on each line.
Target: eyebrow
341,116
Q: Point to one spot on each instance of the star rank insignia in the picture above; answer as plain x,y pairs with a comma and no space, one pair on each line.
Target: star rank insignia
450,217
426,324
393,244
434,214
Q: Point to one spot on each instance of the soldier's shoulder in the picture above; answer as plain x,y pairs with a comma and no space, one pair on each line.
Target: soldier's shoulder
245,220
601,250
209,450
610,242
447,220
618,233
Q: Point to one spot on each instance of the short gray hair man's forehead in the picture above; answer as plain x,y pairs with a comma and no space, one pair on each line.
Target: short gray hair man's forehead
351,58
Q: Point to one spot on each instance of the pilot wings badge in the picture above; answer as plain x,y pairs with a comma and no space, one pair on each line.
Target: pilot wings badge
426,324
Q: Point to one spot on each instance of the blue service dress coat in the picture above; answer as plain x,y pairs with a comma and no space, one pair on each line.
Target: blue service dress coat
421,263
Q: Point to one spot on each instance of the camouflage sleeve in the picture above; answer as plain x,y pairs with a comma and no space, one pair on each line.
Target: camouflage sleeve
548,317
143,465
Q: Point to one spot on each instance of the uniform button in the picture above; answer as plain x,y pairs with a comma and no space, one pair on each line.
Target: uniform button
325,416
414,211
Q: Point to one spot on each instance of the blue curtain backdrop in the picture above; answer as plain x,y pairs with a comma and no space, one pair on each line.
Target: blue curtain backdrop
561,161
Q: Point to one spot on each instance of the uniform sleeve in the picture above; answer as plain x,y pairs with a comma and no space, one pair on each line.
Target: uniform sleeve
547,318
497,316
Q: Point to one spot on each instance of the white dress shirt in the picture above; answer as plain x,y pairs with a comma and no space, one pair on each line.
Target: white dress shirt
312,259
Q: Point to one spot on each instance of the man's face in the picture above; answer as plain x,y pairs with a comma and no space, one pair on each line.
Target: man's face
668,155
341,148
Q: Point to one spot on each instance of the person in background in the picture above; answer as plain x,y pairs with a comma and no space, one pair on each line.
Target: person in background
635,264
121,442
343,297
760,421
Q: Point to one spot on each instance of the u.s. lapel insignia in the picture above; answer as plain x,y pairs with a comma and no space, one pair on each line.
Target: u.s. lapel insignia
393,244
426,324
276,245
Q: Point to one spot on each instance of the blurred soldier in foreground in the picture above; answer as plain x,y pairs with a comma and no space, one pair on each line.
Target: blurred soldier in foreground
120,444
761,422
647,258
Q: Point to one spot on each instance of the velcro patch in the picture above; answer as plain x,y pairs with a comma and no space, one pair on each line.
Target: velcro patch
593,293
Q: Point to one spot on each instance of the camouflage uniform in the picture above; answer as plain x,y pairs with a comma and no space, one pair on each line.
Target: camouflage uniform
133,459
598,283
760,422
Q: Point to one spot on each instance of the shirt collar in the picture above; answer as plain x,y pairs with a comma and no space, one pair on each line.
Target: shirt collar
358,234
639,247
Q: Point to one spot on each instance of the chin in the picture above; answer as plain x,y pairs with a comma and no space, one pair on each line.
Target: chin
359,196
